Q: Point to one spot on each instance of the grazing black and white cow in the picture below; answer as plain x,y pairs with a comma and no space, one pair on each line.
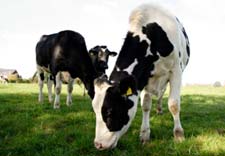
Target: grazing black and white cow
154,53
64,52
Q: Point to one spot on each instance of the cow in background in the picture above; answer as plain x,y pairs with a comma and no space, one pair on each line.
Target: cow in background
99,56
64,52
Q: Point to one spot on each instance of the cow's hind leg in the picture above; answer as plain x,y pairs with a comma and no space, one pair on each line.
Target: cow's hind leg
159,109
58,87
146,103
174,104
69,91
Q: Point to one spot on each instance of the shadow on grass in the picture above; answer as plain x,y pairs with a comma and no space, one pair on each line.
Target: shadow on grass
28,128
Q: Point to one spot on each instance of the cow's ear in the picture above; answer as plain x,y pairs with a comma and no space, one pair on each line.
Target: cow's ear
112,53
94,51
128,86
43,37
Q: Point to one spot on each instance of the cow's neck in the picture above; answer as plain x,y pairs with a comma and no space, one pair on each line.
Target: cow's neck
134,60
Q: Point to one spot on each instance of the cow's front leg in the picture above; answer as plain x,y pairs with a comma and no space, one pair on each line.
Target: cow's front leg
174,104
69,91
41,84
50,82
146,103
58,87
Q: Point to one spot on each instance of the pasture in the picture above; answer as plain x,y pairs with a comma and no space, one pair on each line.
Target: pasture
28,128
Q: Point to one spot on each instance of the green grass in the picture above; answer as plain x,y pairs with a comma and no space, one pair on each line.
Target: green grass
28,128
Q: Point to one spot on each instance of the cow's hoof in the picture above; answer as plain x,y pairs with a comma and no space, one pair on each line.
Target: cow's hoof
56,106
145,136
179,135
69,103
40,100
50,100
159,112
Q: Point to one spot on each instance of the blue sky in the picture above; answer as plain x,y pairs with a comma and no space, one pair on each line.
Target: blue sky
106,22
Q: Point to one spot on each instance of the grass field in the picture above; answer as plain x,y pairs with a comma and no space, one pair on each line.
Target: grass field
28,128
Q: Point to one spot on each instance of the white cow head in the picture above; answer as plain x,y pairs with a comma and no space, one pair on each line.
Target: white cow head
115,106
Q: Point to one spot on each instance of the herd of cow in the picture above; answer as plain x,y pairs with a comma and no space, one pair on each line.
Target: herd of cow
155,52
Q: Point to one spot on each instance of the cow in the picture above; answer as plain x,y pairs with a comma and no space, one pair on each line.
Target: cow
99,57
155,52
4,79
64,51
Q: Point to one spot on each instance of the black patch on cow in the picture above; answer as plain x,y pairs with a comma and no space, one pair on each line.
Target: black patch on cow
188,50
73,57
181,66
132,49
42,76
51,77
185,34
159,40
187,42
179,54
115,109
187,61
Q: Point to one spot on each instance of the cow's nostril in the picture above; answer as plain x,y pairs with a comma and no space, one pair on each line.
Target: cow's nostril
98,145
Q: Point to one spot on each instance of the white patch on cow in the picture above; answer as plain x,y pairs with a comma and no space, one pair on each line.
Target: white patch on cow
102,55
117,69
130,69
148,52
57,52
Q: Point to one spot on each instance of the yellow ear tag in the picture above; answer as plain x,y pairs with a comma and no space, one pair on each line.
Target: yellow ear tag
129,91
